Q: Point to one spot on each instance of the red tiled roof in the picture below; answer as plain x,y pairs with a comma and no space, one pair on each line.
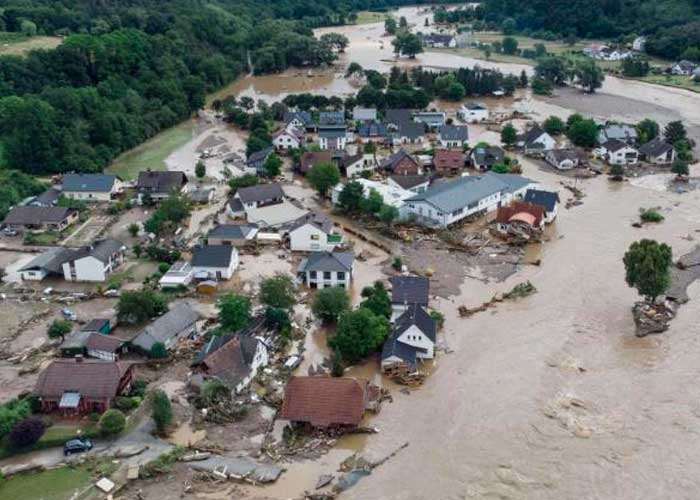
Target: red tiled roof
515,211
90,377
448,159
324,401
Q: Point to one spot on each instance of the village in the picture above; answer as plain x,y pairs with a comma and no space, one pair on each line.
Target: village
215,327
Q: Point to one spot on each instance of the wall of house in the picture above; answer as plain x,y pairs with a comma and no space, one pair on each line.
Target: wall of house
308,238
413,336
86,269
37,275
427,214
325,280
218,272
109,356
88,195
473,116
620,157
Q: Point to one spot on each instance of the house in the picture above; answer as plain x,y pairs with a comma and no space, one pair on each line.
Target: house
485,157
78,386
438,41
413,183
313,232
353,165
310,158
232,234
473,112
93,262
256,161
658,152
684,68
596,50
620,132
401,163
548,200
448,202
179,274
30,218
236,358
563,159
535,141
179,322
408,291
273,217
453,136
364,114
334,139
48,198
92,344
45,264
300,119
412,340
639,44
520,218
448,161
287,138
260,195
407,133
391,193
431,119
372,131
98,325
323,402
91,187
214,262
158,185
395,117
331,119
201,194
617,152
326,269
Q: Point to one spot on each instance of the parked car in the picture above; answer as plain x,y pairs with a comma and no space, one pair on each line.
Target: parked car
68,314
78,445
9,232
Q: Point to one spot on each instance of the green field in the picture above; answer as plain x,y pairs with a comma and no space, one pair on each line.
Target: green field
369,17
18,44
152,153
56,484
683,82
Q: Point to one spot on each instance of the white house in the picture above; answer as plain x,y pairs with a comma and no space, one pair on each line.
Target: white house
453,136
639,44
48,263
473,112
364,114
214,262
535,141
93,262
412,340
178,323
439,41
392,194
563,159
91,187
658,152
327,269
548,200
408,291
159,185
332,139
179,274
313,233
288,138
353,165
616,152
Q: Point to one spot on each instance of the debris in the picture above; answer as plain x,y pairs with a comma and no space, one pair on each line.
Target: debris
652,318
194,457
324,480
132,472
520,290
104,485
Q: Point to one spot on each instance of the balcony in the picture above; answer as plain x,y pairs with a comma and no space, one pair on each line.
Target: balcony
334,238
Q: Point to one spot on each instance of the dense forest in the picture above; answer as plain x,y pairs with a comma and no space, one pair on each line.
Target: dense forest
671,26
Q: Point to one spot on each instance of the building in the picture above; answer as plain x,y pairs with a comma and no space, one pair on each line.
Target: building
232,234
178,323
439,41
520,218
407,133
48,198
46,264
639,44
535,141
332,139
683,68
619,132
93,344
313,232
78,386
372,131
94,262
302,120
310,158
658,152
563,159
617,152
448,161
412,183
473,112
288,138
408,291
326,269
260,195
485,157
364,114
214,262
453,136
327,402
201,194
401,163
91,187
158,185
395,117
431,119
448,202
29,218
179,274
548,200
256,161
331,119
392,194
412,340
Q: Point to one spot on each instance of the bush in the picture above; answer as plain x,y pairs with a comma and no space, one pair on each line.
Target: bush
438,317
27,432
126,404
397,263
650,215
330,303
12,413
163,267
162,411
278,292
112,422
158,351
138,388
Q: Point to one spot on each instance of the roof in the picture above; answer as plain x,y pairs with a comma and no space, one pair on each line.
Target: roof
531,135
311,158
618,131
255,326
274,215
52,260
212,255
331,118
490,155
397,116
102,250
47,198
410,290
391,161
168,326
303,116
448,158
37,215
546,199
437,38
372,129
655,147
89,182
360,113
102,342
232,361
348,160
561,155
409,181
324,401
90,377
259,156
615,145
317,219
95,325
415,315
412,130
291,131
328,261
232,231
474,106
161,181
332,133
393,348
522,212
260,192
454,133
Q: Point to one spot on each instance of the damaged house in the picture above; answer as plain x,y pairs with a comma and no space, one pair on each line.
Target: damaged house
178,323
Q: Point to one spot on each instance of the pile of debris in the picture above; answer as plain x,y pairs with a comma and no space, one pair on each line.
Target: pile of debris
653,318
518,291
578,196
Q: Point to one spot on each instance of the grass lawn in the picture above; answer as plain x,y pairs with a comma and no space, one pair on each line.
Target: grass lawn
56,484
369,17
683,82
17,44
152,153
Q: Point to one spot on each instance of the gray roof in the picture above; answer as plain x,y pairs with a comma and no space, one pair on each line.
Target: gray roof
232,231
415,315
50,261
260,192
560,155
259,157
302,116
331,118
545,199
454,133
474,105
327,261
37,215
255,326
410,290
160,181
615,145
46,199
491,155
397,116
437,38
212,256
317,219
392,160
622,132
332,133
409,181
655,147
168,326
393,348
531,135
102,183
360,113
102,250
95,325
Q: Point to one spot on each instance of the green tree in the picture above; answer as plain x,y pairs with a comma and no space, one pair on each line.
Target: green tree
508,26
234,312
59,328
680,168
674,132
112,422
27,432
330,303
350,197
335,41
509,135
246,180
138,306
161,411
359,333
390,26
200,170
272,166
647,268
134,229
277,318
158,351
377,300
28,28
583,133
647,130
388,214
372,203
617,172
278,291
323,176
509,45
552,69
408,44
554,125
540,86
523,80
588,74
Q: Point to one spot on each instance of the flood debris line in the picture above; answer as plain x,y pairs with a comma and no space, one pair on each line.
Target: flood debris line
355,467
240,469
518,291
578,195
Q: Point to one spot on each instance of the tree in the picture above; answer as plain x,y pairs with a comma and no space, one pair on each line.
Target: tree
234,312
137,306
112,422
674,132
540,86
408,44
245,180
277,318
388,214
323,176
647,130
273,165
350,197
523,80
554,125
588,74
134,229
617,172
390,26
377,299
403,23
59,328
509,135
509,45
583,133
335,41
552,69
372,203
161,411
158,351
330,303
200,170
27,432
508,26
359,333
680,168
647,268
278,291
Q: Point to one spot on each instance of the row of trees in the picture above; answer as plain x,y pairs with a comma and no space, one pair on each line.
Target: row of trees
552,71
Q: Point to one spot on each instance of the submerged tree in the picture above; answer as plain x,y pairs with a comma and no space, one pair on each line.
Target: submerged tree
647,268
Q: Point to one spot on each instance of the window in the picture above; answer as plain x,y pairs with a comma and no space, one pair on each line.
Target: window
312,274
315,237
340,275
326,275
